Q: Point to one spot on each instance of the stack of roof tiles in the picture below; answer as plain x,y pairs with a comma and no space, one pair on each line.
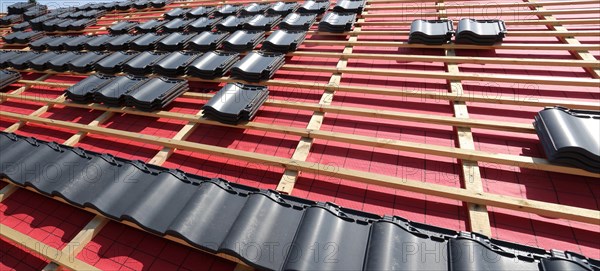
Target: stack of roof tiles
570,136
354,6
431,31
262,22
243,40
212,64
143,63
8,78
156,93
23,37
314,7
284,41
480,32
217,216
337,22
175,63
236,102
282,8
258,66
297,21
207,40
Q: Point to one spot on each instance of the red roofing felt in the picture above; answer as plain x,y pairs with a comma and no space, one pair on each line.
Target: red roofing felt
119,247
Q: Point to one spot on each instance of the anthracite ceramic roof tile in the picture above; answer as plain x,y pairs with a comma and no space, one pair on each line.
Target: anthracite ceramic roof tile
201,11
142,64
337,22
226,10
203,24
121,42
212,64
235,102
284,40
112,94
175,63
262,22
58,43
314,7
76,43
23,37
141,4
85,61
20,26
146,42
83,91
156,94
176,13
122,27
174,41
176,25
81,24
37,23
480,32
6,56
160,3
21,61
254,8
19,7
151,26
431,32
50,25
124,5
61,62
258,66
292,233
114,62
98,43
243,40
233,22
11,19
282,8
354,6
34,12
570,136
207,41
7,78
40,63
297,21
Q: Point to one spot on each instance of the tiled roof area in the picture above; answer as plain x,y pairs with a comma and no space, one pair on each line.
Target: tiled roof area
373,117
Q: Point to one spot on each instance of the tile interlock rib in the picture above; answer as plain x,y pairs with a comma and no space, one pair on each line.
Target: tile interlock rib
265,229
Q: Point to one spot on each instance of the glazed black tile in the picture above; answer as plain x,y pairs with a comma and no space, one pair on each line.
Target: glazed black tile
83,91
23,37
297,21
61,62
85,61
122,27
201,11
480,32
160,3
124,5
8,78
174,42
6,56
142,64
156,93
233,22
354,6
77,43
176,13
254,8
258,66
314,7
431,31
121,42
282,8
40,63
262,22
176,25
113,63
81,24
21,61
227,10
58,43
41,44
337,22
19,7
284,41
203,24
174,64
112,94
207,41
11,19
37,23
290,233
146,42
141,4
98,43
20,26
243,40
151,26
212,64
235,102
